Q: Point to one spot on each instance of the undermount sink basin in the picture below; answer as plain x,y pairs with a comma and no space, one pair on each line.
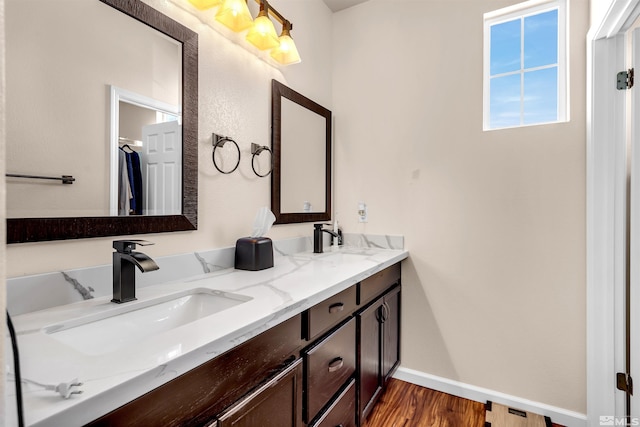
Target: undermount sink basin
333,256
133,322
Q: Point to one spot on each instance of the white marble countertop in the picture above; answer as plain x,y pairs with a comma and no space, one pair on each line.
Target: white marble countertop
111,379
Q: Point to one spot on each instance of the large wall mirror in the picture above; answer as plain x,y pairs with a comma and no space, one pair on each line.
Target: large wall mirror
105,91
301,143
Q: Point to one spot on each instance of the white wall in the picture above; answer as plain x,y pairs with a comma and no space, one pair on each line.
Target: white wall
494,290
234,100
133,118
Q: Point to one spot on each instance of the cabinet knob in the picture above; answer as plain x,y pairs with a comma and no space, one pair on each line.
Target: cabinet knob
336,364
336,308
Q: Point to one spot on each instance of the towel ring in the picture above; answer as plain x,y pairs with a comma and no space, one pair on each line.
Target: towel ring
255,151
220,141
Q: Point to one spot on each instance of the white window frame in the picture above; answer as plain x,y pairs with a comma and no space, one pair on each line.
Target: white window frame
522,10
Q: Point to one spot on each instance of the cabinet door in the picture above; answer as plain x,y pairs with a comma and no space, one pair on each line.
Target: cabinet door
391,333
278,403
369,360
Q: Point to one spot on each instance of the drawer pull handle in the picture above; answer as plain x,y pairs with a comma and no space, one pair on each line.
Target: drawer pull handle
336,364
336,308
385,312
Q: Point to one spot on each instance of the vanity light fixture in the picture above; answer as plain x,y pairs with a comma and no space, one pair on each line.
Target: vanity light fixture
235,15
286,53
263,34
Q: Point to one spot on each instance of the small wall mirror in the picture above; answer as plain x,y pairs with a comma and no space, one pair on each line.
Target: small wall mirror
104,76
301,143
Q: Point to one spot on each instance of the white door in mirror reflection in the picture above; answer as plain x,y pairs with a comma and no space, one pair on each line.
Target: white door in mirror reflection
162,169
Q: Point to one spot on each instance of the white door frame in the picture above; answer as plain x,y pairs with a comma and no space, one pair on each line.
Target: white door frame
606,212
116,95
634,232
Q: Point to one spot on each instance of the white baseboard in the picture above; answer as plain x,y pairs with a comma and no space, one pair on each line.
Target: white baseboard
479,394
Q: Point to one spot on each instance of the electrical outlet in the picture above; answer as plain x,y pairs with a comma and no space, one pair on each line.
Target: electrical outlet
362,212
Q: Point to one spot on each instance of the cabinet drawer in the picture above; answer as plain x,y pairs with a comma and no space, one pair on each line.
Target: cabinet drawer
323,316
343,410
275,404
373,286
328,365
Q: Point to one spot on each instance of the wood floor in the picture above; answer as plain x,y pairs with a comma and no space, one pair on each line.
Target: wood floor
408,405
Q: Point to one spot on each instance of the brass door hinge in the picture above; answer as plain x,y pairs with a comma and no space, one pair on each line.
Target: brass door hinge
624,382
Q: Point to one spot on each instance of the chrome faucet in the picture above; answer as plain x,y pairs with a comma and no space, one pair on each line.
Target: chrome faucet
318,243
124,274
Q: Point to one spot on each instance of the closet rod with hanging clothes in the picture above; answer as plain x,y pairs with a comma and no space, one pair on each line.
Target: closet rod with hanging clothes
134,144
66,179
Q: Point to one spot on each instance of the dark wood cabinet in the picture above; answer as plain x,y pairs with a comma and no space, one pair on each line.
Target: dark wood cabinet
378,353
277,403
377,329
326,367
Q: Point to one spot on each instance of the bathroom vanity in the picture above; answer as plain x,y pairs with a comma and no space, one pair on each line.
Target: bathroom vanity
301,372
311,341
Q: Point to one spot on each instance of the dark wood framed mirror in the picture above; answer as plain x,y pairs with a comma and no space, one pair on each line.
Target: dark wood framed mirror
301,144
44,228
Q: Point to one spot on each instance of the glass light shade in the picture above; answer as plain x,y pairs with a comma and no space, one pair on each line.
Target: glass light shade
263,34
205,4
286,53
235,15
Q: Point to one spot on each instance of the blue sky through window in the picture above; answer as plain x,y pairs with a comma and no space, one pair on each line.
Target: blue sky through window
524,71
505,47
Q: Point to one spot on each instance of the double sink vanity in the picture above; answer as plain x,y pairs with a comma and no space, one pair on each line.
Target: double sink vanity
310,341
